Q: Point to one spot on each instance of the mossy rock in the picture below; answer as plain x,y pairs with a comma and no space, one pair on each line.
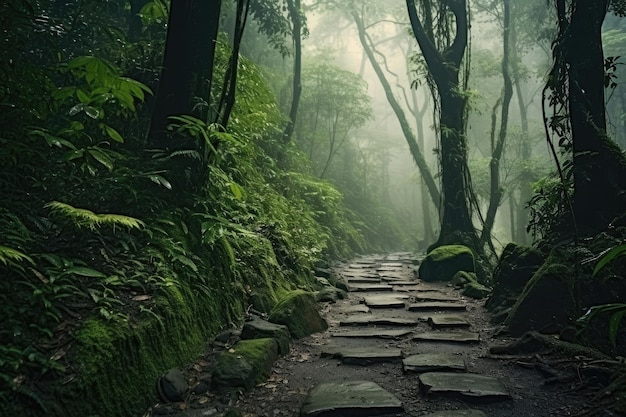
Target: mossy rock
248,363
547,302
516,266
261,329
463,277
299,312
442,263
330,294
474,289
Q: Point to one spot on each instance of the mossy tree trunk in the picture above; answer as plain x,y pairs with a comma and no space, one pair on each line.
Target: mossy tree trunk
599,167
443,57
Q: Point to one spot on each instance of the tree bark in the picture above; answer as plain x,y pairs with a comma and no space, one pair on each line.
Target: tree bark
444,66
192,29
599,166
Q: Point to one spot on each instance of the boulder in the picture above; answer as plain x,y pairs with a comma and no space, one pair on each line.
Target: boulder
474,289
172,386
245,365
299,312
260,329
330,294
516,266
547,302
442,263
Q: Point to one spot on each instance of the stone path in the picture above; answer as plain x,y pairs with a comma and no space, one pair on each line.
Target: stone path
400,306
398,346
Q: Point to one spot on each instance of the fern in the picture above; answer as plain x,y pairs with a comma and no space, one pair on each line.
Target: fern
9,255
86,218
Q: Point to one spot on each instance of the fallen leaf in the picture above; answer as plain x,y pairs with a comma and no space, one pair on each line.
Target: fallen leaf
142,297
58,355
182,406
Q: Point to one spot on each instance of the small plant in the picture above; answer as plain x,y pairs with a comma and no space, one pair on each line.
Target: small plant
616,311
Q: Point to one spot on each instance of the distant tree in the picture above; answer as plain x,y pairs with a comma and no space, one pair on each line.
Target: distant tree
334,104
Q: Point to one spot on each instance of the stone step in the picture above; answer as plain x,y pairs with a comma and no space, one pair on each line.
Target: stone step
386,301
363,356
369,287
456,413
468,386
352,398
373,333
436,305
450,337
435,296
375,320
361,280
447,321
429,362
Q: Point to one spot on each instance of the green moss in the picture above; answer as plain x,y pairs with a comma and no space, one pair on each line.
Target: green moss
249,363
298,311
442,263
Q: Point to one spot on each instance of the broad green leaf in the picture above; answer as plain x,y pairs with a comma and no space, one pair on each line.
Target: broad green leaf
113,134
85,272
82,96
101,157
616,318
608,257
92,112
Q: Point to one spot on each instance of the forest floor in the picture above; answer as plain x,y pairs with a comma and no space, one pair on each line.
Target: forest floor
360,332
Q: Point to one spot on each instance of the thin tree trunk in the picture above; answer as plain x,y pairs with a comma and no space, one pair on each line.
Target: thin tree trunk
495,195
294,13
416,152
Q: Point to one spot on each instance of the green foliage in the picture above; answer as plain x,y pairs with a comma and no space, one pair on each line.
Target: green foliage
616,313
547,206
85,218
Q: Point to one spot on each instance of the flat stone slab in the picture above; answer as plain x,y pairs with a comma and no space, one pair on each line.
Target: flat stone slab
374,320
388,276
402,283
447,321
436,305
452,337
466,385
363,356
361,280
352,398
359,274
430,362
373,333
386,264
357,308
435,296
457,413
386,301
369,287
363,265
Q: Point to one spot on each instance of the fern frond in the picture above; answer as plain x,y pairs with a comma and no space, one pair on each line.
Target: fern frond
8,255
87,218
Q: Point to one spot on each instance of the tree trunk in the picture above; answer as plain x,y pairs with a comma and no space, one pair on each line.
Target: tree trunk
294,13
444,66
497,151
192,30
416,152
599,166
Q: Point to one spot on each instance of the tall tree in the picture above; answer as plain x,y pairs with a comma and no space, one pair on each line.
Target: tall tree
442,34
497,148
295,15
414,147
577,82
187,63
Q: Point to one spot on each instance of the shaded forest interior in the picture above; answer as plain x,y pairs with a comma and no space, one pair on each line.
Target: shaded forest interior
167,166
